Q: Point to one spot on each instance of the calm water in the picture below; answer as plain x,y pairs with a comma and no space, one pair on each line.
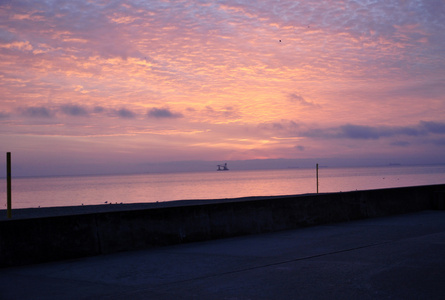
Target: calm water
67,191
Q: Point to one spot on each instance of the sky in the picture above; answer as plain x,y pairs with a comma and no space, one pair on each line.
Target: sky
95,87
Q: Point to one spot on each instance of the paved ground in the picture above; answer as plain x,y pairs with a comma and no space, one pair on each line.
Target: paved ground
399,257
39,212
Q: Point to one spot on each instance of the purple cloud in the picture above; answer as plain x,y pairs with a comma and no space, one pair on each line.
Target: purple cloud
226,112
439,142
401,143
125,113
98,109
363,132
354,131
295,98
433,127
37,112
163,113
3,115
74,110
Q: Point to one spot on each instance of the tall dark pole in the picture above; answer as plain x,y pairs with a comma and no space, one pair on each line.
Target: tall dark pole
316,172
8,182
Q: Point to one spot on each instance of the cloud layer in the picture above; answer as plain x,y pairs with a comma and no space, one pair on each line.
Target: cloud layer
223,80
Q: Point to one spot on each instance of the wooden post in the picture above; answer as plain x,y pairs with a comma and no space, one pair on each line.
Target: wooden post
8,182
316,172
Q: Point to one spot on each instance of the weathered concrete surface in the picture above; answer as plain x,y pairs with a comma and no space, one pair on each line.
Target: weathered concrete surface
396,257
33,240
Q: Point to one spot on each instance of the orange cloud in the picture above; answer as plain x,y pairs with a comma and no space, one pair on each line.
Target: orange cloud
202,75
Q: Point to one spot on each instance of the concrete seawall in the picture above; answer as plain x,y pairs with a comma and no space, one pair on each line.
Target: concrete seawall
34,240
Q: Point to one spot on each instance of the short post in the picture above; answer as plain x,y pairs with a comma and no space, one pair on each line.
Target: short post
316,172
8,182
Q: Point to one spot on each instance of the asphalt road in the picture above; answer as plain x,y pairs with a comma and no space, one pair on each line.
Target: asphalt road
397,257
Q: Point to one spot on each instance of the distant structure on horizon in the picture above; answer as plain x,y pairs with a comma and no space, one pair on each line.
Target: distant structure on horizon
223,167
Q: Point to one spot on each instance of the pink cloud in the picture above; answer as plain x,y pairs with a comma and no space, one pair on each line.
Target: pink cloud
344,70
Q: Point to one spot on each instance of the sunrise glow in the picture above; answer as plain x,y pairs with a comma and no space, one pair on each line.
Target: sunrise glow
102,86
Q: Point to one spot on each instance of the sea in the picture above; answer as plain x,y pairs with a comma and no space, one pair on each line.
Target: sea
30,192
